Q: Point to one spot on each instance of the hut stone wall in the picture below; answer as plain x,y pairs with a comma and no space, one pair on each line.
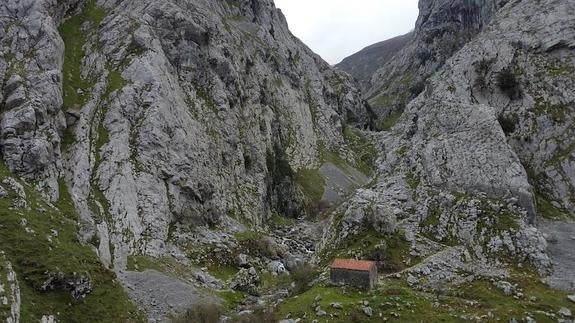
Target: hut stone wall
361,279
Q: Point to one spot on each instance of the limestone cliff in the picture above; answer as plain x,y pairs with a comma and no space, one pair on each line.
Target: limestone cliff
486,141
177,112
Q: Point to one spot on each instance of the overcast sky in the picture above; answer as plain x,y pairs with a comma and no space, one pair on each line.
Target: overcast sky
336,29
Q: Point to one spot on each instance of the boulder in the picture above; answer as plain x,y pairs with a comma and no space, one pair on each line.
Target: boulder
367,311
276,267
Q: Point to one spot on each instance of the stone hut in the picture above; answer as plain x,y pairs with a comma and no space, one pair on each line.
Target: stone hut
358,273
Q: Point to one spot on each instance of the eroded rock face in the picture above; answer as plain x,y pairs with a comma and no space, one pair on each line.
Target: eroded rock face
32,122
199,110
170,114
499,109
442,28
477,93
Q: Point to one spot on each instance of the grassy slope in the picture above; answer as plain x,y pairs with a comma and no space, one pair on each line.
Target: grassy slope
34,256
411,306
399,303
76,89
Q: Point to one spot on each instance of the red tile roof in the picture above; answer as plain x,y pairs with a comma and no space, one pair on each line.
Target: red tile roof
351,264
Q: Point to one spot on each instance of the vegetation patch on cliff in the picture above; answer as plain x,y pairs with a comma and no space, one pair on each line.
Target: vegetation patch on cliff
365,153
76,88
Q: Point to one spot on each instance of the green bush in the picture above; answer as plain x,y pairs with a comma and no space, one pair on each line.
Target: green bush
302,276
256,244
201,313
482,69
508,83
508,123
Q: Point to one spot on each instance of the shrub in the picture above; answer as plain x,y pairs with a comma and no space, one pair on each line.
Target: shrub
508,83
482,69
302,276
508,123
257,245
379,254
201,313
415,89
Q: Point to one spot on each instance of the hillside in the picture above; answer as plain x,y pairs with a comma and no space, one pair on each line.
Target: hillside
363,64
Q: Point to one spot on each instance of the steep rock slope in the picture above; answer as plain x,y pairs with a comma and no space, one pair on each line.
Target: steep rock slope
168,127
363,64
32,121
442,28
467,161
168,122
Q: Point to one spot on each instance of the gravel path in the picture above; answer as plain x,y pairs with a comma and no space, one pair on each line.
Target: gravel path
561,238
160,295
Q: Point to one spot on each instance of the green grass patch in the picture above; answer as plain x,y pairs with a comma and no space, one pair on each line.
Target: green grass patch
412,180
391,251
507,307
270,282
556,112
334,158
232,299
381,101
224,273
397,302
549,211
388,122
561,156
65,203
557,70
115,83
103,138
363,148
77,89
248,235
394,301
278,221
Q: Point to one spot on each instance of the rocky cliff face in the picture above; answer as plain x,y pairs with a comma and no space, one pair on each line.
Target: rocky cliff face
210,122
442,28
32,120
178,113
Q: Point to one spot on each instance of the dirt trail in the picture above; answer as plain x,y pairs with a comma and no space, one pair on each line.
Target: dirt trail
160,294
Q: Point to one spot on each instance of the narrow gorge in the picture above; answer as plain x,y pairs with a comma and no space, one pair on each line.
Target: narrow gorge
194,161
